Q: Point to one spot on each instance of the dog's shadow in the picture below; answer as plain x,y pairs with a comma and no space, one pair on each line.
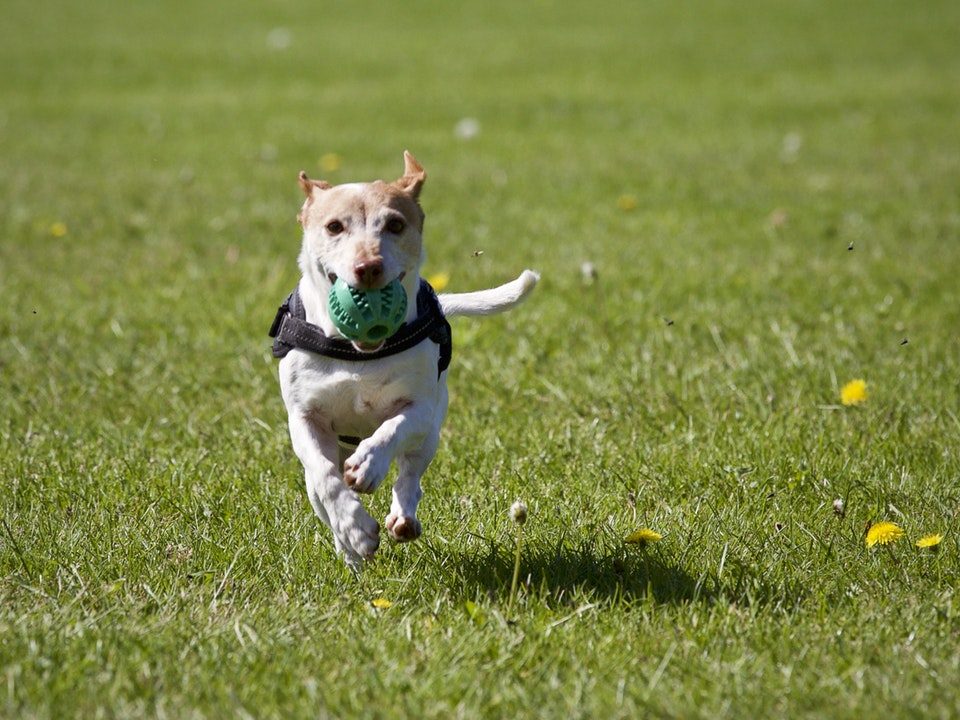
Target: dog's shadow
585,569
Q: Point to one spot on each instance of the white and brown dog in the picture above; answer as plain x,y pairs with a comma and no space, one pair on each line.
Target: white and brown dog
392,406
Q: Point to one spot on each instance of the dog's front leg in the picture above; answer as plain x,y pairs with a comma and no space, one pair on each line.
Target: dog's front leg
408,429
356,534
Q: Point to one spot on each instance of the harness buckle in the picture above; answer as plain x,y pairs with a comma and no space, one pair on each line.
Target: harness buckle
282,312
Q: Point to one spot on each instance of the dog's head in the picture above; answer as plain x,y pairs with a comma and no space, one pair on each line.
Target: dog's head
368,234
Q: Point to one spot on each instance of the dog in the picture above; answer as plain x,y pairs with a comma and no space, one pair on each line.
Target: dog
353,408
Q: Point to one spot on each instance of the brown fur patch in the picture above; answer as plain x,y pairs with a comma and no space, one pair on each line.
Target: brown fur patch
337,202
413,178
308,186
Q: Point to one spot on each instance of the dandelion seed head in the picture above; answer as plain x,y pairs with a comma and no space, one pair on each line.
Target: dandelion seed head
466,128
280,38
518,512
790,148
588,272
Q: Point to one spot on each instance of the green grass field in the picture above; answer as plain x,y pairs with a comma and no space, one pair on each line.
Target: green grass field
770,193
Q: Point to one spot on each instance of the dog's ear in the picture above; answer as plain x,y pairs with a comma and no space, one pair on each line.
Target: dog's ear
413,176
307,185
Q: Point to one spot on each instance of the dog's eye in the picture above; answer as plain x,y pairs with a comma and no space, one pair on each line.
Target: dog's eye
334,227
395,226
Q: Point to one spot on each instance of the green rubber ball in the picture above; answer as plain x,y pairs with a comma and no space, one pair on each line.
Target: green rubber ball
367,316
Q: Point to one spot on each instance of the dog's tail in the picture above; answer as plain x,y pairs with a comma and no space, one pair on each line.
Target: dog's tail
488,302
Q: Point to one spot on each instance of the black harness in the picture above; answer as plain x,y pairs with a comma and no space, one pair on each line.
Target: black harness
290,330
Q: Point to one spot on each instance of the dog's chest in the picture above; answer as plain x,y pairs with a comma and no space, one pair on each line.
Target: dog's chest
354,398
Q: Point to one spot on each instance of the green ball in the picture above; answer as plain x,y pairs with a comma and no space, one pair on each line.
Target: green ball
367,316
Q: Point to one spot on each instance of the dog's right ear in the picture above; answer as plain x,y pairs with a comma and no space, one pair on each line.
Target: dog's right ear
307,185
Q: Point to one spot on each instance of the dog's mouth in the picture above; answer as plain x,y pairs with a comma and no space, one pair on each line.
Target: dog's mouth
365,347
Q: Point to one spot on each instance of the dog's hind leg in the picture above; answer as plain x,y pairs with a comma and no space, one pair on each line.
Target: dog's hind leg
402,522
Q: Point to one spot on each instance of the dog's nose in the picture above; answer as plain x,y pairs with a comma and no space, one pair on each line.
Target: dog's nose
369,272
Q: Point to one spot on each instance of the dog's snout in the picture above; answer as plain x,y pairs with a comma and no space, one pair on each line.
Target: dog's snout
369,271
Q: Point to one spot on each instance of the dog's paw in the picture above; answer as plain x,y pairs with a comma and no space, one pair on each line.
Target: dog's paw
403,528
357,534
366,468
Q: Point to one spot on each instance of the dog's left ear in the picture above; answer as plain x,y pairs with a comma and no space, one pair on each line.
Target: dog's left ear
413,176
307,185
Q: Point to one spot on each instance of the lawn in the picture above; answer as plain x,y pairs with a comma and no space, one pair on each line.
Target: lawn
769,193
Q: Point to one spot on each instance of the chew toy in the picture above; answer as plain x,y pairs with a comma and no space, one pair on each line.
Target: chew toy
367,316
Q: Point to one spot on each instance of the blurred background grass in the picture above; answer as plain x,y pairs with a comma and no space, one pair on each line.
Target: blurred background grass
769,194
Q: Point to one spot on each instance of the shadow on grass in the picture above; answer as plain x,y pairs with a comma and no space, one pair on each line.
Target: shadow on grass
584,569
615,572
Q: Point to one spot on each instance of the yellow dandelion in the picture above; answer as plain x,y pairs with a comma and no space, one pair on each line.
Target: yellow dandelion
627,202
643,536
58,229
474,611
883,533
930,542
854,392
330,162
439,280
381,603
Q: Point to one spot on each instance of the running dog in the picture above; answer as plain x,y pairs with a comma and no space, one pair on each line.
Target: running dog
353,408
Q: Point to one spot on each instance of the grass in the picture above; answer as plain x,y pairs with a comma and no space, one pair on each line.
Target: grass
158,556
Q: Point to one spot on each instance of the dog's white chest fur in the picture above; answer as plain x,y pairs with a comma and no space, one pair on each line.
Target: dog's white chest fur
354,398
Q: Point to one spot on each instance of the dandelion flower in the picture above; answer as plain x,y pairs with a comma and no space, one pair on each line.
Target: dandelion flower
588,272
58,229
518,512
466,128
930,542
439,280
381,603
643,536
330,162
883,533
627,202
854,392
279,38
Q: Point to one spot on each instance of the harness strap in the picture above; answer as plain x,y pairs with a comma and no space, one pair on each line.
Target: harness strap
290,330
